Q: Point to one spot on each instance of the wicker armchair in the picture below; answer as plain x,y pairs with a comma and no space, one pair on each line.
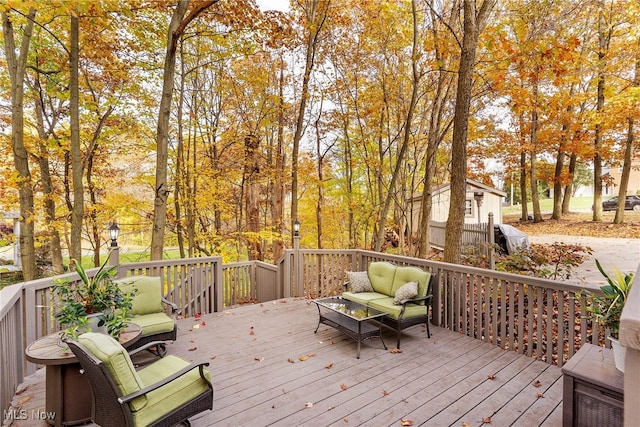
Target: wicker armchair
166,392
150,312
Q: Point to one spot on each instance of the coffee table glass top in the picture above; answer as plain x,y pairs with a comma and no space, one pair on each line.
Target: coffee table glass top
349,308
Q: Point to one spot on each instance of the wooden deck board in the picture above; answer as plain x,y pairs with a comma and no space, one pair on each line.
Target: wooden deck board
259,378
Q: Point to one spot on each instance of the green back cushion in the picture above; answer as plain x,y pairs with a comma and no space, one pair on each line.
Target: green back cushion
148,299
117,362
381,275
411,274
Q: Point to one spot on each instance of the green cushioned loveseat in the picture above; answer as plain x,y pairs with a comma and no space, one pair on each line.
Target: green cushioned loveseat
385,281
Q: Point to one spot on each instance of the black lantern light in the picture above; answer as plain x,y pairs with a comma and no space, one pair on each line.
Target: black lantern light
296,228
114,230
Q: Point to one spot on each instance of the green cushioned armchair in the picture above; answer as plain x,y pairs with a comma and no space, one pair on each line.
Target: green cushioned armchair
149,310
164,393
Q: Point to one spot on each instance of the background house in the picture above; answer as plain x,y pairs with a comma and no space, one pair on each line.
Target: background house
612,177
479,202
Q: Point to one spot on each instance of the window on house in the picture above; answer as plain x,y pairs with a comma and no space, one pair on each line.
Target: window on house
468,207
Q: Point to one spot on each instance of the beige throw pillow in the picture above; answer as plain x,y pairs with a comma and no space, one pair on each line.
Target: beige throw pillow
407,291
359,281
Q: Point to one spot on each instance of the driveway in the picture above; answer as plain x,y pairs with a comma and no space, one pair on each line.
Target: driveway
623,254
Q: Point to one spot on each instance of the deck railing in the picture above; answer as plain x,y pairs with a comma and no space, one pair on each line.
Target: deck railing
540,318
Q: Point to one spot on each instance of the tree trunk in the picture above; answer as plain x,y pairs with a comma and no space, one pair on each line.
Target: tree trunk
176,28
49,204
473,24
16,67
535,199
603,45
415,82
277,201
316,17
77,172
568,190
628,152
252,198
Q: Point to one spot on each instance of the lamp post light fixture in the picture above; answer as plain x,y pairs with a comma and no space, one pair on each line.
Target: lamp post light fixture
297,258
114,250
114,230
478,196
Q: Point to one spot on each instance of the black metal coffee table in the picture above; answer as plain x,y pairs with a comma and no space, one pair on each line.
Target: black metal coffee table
351,318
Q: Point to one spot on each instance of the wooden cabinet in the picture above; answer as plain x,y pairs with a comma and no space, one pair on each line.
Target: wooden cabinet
593,389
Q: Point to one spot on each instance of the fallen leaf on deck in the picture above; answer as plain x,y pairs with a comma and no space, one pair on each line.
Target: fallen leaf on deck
290,360
345,419
491,377
540,395
258,359
303,358
465,424
203,323
406,422
212,357
395,350
193,348
486,420
25,399
329,366
197,326
309,405
385,393
198,316
311,354
537,383
343,386
251,331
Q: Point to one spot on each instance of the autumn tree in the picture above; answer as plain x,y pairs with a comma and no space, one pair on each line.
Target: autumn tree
475,19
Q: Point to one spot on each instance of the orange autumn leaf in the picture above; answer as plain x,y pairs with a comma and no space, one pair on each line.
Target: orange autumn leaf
343,386
486,420
329,366
406,422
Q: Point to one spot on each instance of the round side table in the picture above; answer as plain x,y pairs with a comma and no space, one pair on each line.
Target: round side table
68,393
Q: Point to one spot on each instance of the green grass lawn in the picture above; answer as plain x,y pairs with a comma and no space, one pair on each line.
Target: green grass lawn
546,205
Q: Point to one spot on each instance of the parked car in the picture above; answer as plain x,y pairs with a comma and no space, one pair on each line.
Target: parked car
631,202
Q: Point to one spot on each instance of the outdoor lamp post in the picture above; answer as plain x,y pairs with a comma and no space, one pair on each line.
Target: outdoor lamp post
478,196
114,250
296,256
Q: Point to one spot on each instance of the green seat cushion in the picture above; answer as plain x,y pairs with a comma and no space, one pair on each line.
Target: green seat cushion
362,297
117,362
387,305
155,323
148,298
173,395
411,274
381,274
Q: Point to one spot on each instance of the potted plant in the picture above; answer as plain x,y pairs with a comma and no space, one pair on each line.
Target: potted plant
605,309
95,301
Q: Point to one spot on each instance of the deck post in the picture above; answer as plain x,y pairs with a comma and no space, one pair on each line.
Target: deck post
630,338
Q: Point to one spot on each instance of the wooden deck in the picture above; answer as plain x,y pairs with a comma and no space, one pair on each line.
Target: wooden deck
269,368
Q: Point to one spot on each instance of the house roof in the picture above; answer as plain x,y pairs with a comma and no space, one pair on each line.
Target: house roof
472,186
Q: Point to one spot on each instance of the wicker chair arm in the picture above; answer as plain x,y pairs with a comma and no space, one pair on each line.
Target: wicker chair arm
345,285
174,306
418,299
167,380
